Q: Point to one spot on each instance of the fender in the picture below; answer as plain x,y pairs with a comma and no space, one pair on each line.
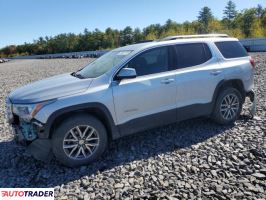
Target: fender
97,109
237,83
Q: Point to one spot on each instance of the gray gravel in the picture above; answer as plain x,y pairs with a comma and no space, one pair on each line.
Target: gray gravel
194,159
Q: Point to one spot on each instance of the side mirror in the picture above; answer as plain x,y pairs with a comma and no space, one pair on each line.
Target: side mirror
126,73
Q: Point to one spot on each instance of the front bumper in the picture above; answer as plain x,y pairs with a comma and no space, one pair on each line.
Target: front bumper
18,136
21,129
30,134
26,131
40,149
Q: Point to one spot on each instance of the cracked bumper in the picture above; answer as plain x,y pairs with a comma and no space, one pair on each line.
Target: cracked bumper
40,149
18,136
25,131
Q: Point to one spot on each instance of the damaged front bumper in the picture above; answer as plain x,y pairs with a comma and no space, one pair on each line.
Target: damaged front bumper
25,132
28,134
31,134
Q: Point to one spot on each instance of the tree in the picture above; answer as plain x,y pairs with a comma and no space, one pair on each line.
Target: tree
137,35
259,10
248,19
230,11
9,50
126,36
108,39
263,21
188,28
205,16
96,39
247,23
215,26
154,31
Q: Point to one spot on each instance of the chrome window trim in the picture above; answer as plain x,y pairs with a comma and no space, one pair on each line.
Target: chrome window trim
164,45
138,53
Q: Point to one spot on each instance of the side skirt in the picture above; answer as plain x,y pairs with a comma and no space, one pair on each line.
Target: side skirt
164,118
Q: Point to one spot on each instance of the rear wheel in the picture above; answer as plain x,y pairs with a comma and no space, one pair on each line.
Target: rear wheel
79,140
228,106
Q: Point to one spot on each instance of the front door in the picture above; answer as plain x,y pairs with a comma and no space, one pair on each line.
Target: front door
148,100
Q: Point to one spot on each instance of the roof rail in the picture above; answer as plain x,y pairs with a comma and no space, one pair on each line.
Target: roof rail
194,36
143,41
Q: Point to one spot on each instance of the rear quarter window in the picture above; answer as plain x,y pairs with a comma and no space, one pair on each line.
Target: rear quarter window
231,49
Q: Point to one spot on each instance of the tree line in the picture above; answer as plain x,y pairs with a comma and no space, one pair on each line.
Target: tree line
241,24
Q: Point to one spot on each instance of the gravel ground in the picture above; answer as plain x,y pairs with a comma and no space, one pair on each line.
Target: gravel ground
194,159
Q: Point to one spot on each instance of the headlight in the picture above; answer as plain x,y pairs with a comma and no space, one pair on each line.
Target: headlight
28,111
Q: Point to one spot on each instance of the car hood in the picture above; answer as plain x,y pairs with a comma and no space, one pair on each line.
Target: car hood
50,88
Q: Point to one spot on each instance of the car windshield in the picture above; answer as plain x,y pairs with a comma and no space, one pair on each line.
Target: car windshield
102,64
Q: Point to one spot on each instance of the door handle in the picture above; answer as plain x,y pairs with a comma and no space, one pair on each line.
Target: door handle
216,72
167,80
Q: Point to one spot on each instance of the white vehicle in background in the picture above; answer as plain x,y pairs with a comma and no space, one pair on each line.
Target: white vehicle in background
2,60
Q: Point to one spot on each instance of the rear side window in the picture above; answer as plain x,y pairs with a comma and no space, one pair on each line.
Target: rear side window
189,55
231,49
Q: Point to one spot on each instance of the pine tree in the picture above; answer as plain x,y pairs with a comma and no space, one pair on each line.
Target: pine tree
230,11
248,20
260,11
205,17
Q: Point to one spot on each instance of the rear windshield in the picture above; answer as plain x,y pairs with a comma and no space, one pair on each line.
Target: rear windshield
231,49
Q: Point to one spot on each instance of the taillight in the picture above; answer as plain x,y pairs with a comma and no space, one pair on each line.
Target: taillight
252,62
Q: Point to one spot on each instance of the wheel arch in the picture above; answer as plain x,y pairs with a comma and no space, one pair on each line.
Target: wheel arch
235,83
97,110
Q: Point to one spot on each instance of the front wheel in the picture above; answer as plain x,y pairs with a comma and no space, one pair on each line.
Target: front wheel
79,140
228,106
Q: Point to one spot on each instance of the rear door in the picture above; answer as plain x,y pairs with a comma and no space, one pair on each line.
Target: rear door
148,100
196,78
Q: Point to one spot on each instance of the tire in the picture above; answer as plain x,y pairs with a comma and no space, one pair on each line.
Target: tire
68,141
225,115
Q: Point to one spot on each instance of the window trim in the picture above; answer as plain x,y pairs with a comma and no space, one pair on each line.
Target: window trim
202,43
139,53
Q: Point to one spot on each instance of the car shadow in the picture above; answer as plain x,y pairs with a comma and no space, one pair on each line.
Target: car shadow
18,169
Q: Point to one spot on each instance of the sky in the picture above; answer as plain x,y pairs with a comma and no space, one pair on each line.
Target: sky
25,20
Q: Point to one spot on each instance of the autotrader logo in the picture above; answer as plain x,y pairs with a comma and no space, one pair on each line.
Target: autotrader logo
26,193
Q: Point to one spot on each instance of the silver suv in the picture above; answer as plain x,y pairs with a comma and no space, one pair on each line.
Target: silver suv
131,89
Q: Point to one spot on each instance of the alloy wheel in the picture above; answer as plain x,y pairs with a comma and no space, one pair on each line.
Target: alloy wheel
81,142
229,106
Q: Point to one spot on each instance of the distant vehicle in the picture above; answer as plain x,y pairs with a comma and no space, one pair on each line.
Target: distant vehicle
131,89
2,60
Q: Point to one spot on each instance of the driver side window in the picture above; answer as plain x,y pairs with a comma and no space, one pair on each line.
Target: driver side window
150,62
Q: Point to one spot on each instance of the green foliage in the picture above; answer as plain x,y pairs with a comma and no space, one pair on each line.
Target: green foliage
230,11
248,19
260,11
205,17
247,23
229,14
